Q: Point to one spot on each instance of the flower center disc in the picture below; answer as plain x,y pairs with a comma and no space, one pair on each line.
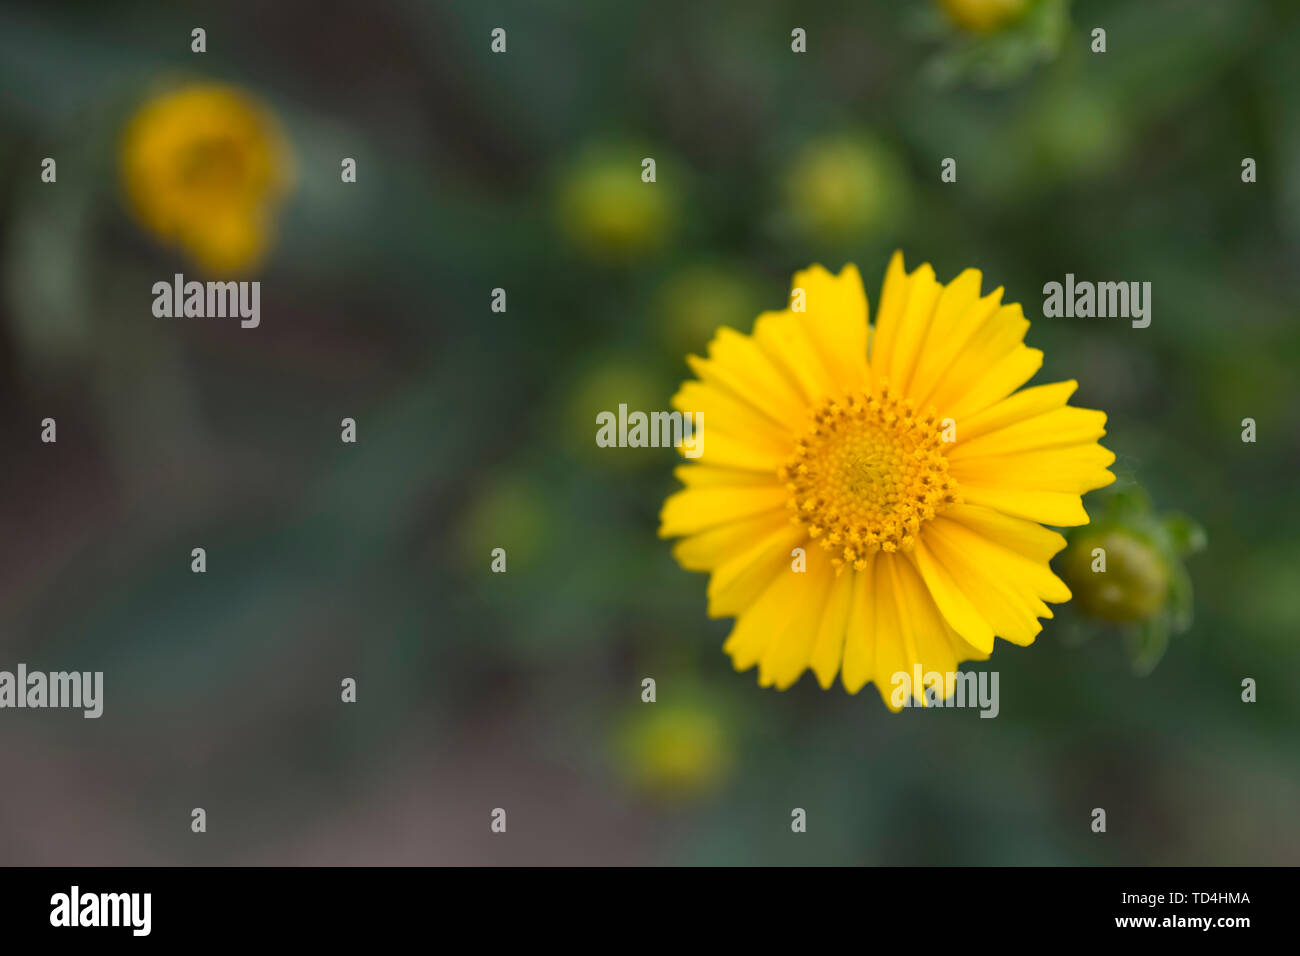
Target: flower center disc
868,472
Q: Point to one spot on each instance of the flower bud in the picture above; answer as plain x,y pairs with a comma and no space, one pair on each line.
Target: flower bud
1116,575
674,750
984,16
608,210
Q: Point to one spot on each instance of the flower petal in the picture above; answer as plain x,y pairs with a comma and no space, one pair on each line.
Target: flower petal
859,632
715,547
787,657
723,413
952,601
692,510
828,649
985,577
835,319
783,600
906,304
739,366
736,584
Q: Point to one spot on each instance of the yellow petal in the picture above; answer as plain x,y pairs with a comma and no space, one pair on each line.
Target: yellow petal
906,305
957,300
1049,507
787,657
738,365
726,451
736,584
952,601
692,510
722,413
835,319
859,647
890,631
1026,404
936,645
1001,335
946,341
784,340
828,649
1016,534
775,607
984,576
993,539
996,382
1061,426
710,476
889,314
1073,468
715,547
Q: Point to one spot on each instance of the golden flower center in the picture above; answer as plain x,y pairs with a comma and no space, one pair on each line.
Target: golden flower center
867,474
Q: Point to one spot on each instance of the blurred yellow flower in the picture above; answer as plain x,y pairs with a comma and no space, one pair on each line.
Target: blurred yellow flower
205,167
984,16
694,301
841,186
870,501
674,750
606,209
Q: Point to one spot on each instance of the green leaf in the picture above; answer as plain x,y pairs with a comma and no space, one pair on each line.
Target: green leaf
1146,644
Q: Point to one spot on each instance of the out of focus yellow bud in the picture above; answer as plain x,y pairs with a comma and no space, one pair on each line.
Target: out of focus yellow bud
674,750
984,16
611,208
841,187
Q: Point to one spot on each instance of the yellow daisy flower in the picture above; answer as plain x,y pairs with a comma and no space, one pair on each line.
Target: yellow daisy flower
901,460
206,166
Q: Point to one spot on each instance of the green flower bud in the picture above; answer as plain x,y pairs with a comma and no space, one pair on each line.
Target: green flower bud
1116,575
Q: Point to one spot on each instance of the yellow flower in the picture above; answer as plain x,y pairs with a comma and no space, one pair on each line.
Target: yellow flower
676,750
205,167
608,212
904,463
697,299
984,16
842,186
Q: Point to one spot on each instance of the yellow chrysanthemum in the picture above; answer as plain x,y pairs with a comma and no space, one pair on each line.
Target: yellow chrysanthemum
205,167
904,462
